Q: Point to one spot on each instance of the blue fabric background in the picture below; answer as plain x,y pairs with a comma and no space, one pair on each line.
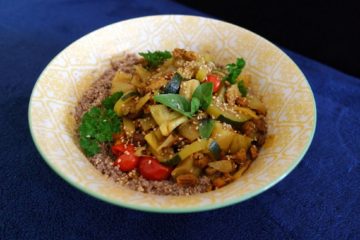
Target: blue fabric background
318,200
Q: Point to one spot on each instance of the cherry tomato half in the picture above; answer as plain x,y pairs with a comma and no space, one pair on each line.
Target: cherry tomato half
215,80
127,162
121,148
151,169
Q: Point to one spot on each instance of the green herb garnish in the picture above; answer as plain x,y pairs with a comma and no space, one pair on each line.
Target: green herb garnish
206,127
204,93
176,102
242,88
110,101
234,70
194,105
201,98
156,58
97,126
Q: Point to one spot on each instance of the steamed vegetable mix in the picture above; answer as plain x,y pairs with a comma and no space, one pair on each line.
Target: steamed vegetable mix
178,116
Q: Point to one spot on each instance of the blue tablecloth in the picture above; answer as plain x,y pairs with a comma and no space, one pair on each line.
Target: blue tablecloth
318,200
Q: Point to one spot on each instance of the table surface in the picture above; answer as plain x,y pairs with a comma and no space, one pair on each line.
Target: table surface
318,200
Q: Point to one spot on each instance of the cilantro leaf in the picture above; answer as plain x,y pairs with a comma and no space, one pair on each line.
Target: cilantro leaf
156,58
234,70
204,93
206,127
242,88
176,102
110,101
97,126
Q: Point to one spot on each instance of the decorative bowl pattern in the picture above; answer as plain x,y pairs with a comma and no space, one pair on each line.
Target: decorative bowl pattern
286,93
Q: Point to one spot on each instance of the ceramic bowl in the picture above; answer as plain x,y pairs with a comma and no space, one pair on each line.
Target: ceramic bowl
285,91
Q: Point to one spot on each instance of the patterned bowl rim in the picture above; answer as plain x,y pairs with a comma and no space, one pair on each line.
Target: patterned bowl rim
172,210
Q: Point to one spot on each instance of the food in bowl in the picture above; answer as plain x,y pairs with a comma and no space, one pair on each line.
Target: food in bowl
171,123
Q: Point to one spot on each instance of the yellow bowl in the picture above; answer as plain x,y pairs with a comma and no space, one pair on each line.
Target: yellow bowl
285,90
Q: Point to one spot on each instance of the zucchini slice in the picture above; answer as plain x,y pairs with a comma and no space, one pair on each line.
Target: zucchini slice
233,118
186,166
222,136
124,104
214,149
239,141
173,85
188,130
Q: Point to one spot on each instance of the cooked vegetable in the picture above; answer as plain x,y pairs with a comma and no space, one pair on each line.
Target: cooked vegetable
222,136
97,126
242,88
156,58
234,70
147,123
151,169
204,94
187,88
173,85
120,148
215,80
129,127
238,142
142,101
225,166
233,118
167,127
127,162
154,139
214,149
110,101
189,131
202,73
161,114
167,142
194,147
142,72
206,127
184,167
125,104
256,104
121,83
186,131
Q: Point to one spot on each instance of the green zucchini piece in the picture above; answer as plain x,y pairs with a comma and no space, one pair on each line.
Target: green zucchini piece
186,166
222,136
167,127
161,114
173,85
214,149
239,141
172,161
227,116
123,105
225,166
188,130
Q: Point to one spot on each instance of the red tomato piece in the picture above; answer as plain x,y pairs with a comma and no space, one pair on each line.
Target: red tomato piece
121,148
215,80
127,162
151,169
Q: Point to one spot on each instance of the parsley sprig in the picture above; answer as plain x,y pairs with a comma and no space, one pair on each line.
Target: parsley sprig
156,58
97,126
234,70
